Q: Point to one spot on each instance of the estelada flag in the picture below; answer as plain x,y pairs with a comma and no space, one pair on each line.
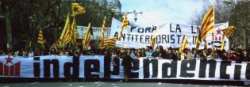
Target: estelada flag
77,9
228,31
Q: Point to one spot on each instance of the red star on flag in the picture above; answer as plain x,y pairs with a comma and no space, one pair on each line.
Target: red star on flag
75,9
8,59
218,31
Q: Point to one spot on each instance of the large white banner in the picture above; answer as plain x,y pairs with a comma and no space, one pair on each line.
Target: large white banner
169,35
96,66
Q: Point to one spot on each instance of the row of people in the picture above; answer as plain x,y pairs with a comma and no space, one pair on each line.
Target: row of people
159,52
187,54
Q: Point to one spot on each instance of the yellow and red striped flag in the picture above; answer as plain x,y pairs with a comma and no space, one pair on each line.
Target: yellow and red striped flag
109,42
77,9
40,39
124,25
103,30
86,40
152,42
207,25
183,45
228,31
66,33
73,28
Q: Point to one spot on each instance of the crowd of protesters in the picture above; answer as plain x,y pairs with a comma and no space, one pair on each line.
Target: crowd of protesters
159,52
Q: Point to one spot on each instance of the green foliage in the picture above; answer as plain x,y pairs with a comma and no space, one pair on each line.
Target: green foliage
27,16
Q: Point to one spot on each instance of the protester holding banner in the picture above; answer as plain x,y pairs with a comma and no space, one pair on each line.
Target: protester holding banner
126,62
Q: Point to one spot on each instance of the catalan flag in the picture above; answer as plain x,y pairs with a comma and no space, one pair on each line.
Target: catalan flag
228,31
86,40
103,30
40,39
183,45
77,9
152,42
66,33
124,25
207,25
109,42
73,28
223,43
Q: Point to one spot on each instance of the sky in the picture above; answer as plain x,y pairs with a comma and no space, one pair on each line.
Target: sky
156,12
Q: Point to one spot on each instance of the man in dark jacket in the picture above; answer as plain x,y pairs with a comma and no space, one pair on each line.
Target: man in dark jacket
126,62
170,54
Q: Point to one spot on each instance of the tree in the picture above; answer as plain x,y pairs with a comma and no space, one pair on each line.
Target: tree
23,19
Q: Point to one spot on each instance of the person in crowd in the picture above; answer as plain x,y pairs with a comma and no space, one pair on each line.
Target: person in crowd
71,52
176,52
162,51
52,51
157,53
143,54
63,53
30,53
138,54
59,51
76,52
170,54
131,53
246,55
193,52
114,57
231,55
20,52
149,51
40,53
186,55
1,53
239,57
205,52
220,55
126,62
211,55
200,55
8,51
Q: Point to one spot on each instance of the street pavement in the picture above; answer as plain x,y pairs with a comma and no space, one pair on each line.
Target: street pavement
107,84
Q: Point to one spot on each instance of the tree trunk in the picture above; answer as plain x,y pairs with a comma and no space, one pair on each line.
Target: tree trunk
8,27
